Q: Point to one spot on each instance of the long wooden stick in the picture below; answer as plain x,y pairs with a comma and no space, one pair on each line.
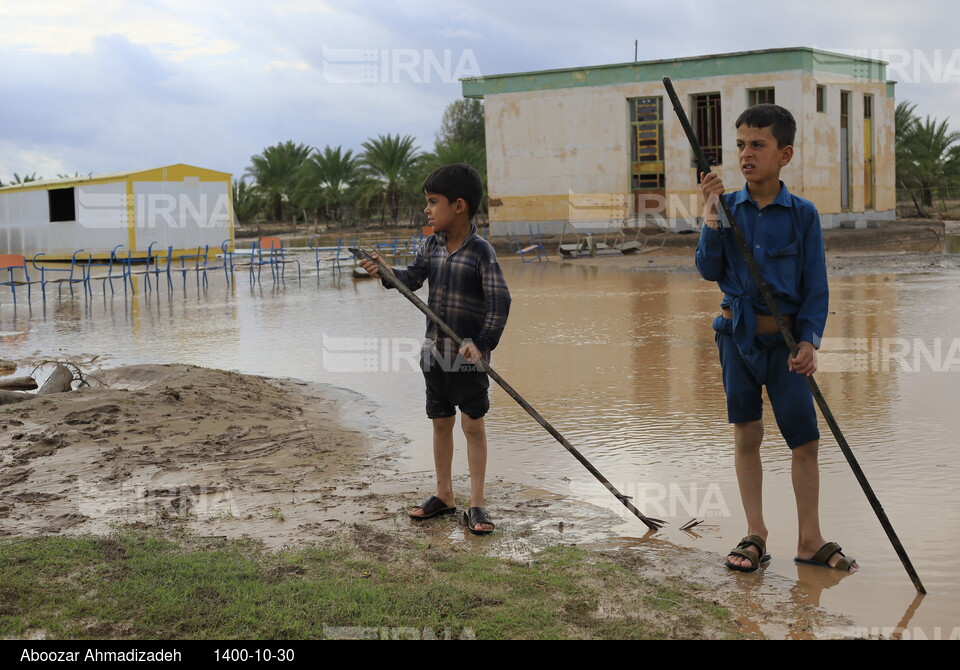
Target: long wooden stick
704,167
387,273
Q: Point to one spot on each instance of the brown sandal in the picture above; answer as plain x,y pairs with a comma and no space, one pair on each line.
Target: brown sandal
822,556
752,556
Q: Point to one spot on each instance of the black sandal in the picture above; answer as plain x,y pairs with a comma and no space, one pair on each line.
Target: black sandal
477,515
432,506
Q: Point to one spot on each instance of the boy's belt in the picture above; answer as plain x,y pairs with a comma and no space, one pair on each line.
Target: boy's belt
766,325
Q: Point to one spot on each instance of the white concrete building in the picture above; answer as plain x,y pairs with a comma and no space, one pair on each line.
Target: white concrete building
602,144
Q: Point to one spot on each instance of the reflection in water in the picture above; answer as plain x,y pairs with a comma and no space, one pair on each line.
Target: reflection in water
624,364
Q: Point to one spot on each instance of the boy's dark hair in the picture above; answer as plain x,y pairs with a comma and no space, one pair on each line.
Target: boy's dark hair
458,180
781,122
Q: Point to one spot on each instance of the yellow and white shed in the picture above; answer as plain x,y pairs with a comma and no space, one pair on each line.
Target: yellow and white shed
179,206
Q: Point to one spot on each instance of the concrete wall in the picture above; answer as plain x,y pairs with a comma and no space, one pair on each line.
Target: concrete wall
561,155
821,169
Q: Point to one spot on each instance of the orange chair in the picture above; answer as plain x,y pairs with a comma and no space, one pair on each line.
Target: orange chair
270,243
275,258
12,263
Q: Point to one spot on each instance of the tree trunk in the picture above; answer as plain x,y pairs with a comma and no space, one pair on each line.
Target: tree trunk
18,384
58,382
920,212
10,397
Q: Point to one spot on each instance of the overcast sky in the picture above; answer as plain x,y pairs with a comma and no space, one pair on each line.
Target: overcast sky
106,85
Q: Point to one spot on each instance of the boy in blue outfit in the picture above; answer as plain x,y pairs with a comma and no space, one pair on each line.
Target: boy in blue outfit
783,232
467,291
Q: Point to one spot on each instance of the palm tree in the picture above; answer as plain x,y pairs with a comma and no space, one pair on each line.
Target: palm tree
933,146
17,179
927,153
247,202
275,172
471,153
905,122
326,180
391,159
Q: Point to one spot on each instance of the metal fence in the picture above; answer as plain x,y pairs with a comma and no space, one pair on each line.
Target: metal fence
941,200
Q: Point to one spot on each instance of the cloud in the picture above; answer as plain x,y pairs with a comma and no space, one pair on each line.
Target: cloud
110,85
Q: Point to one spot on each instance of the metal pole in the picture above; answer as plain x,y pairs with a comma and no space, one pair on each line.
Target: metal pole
387,273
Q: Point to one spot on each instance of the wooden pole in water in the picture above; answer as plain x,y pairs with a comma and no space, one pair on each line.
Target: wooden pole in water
704,167
387,273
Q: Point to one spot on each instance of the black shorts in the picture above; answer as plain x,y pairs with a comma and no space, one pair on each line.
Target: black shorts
448,390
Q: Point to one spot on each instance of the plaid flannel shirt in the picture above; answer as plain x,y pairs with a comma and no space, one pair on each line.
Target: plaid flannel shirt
467,291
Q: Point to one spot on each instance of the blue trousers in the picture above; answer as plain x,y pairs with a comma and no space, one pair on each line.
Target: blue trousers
789,394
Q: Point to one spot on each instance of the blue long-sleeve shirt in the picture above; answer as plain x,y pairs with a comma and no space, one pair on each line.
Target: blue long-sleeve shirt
467,290
787,244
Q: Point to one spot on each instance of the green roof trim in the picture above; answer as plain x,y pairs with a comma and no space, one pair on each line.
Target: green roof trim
743,62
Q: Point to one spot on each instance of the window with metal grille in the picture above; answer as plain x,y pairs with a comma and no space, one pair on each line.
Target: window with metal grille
821,98
646,118
707,124
760,96
653,180
646,153
868,106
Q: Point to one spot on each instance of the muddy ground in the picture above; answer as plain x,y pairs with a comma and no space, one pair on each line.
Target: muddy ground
896,248
225,455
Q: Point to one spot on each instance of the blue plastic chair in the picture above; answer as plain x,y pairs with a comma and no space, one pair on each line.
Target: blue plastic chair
70,279
535,248
334,259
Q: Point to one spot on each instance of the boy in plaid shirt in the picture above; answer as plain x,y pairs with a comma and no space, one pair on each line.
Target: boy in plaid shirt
469,293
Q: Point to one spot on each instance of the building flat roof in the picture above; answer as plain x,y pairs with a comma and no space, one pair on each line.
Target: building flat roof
741,62
176,172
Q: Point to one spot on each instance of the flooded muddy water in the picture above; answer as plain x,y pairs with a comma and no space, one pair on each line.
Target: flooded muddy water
624,364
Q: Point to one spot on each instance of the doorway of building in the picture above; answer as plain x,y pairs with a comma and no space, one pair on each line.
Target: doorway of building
868,185
844,150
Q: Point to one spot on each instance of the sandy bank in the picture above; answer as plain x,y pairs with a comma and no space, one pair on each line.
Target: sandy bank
227,455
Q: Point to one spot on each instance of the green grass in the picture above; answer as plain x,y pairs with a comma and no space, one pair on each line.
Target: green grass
141,584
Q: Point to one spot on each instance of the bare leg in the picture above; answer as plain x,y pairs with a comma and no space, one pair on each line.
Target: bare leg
476,434
805,471
442,460
747,438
